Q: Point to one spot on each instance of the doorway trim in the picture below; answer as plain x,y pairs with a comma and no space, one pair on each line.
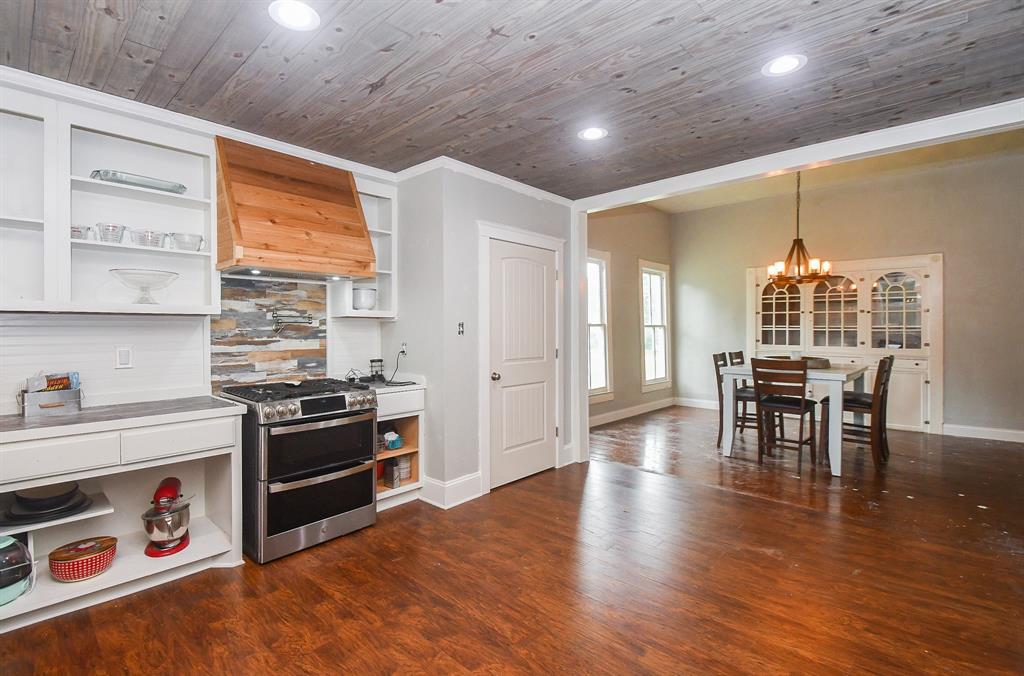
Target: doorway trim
487,231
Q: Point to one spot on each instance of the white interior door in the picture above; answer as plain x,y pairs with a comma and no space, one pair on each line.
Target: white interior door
522,349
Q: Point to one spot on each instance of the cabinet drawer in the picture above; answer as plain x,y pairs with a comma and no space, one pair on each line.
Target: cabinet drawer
30,459
175,439
394,403
910,365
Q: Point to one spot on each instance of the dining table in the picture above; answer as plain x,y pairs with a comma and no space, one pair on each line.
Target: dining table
833,380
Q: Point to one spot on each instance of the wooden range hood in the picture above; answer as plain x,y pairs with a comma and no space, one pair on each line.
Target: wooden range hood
288,216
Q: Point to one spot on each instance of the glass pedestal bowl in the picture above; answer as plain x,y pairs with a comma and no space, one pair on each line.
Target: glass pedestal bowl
144,281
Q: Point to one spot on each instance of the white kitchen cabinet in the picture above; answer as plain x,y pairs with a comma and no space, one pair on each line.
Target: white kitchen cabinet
869,309
49,150
380,209
119,463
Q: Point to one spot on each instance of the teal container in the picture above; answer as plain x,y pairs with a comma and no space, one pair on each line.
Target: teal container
15,569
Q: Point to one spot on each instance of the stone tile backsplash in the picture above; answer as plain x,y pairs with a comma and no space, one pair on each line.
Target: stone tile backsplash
245,348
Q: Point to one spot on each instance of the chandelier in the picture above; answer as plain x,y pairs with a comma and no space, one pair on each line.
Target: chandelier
799,267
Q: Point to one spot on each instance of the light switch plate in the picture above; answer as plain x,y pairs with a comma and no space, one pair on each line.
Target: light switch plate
123,357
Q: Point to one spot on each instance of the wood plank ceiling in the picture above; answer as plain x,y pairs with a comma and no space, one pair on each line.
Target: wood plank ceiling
505,85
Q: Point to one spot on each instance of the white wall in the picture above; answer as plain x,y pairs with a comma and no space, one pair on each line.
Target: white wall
440,211
629,234
170,355
971,211
420,292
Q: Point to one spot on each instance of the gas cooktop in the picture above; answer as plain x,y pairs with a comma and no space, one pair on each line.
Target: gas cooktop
292,390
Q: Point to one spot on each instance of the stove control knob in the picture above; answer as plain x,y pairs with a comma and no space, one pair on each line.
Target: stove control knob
293,409
282,411
268,412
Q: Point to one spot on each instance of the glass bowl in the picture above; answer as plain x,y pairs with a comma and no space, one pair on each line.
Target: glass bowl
153,238
187,242
110,232
144,281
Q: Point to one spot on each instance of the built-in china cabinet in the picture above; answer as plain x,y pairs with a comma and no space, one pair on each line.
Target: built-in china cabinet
868,309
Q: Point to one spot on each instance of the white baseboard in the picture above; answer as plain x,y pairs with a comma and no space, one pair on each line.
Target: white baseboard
623,413
396,500
996,433
566,455
448,494
697,403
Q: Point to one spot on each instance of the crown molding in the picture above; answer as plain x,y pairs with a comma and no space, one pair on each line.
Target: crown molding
38,84
445,162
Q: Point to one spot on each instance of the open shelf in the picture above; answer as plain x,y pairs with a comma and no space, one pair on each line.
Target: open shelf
97,186
130,563
395,452
100,506
94,244
385,492
21,223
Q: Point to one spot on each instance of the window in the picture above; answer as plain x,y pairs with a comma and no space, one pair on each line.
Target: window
599,353
654,311
835,313
896,312
780,315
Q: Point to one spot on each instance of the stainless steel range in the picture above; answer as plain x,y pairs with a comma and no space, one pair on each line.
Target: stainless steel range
308,463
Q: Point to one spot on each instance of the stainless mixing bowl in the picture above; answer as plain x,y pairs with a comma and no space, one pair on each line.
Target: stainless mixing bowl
166,527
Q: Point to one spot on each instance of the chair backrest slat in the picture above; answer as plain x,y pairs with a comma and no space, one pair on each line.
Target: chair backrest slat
880,396
786,378
737,358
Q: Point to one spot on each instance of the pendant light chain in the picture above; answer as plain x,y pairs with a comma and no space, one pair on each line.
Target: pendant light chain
798,205
799,267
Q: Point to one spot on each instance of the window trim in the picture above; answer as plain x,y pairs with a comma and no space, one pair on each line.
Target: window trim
606,393
665,270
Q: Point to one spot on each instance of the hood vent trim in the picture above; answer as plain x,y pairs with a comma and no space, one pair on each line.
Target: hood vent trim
288,216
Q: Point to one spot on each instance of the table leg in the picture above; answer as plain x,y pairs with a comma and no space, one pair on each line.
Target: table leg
858,386
835,427
729,413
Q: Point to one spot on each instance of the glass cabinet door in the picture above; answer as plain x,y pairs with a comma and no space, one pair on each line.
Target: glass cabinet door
780,316
896,312
834,313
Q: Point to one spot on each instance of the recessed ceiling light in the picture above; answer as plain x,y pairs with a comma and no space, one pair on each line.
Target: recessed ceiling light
592,133
784,65
298,16
256,272
335,278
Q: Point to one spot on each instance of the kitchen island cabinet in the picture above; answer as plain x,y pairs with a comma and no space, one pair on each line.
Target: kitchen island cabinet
119,454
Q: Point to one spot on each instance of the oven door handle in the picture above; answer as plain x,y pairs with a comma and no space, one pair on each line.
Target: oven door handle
323,424
279,487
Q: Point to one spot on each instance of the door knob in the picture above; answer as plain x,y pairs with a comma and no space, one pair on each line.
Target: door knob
495,376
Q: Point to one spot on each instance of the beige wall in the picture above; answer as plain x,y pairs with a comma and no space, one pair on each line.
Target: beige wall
629,234
971,211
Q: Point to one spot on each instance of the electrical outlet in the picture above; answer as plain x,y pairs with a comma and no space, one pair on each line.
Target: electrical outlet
123,357
402,350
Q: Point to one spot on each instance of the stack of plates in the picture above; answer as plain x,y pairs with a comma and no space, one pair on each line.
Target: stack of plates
34,505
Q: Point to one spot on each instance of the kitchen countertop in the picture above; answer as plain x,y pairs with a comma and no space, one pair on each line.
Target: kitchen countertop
380,388
119,416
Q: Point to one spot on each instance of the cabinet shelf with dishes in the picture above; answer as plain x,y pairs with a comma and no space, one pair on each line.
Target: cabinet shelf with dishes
51,190
373,297
99,507
95,244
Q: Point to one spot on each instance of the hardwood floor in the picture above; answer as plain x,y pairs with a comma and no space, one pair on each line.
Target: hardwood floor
659,556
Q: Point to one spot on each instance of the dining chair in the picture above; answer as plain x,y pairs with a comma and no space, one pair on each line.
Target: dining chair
745,420
875,404
780,387
743,395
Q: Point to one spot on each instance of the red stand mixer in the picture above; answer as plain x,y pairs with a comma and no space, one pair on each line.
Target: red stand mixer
167,521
